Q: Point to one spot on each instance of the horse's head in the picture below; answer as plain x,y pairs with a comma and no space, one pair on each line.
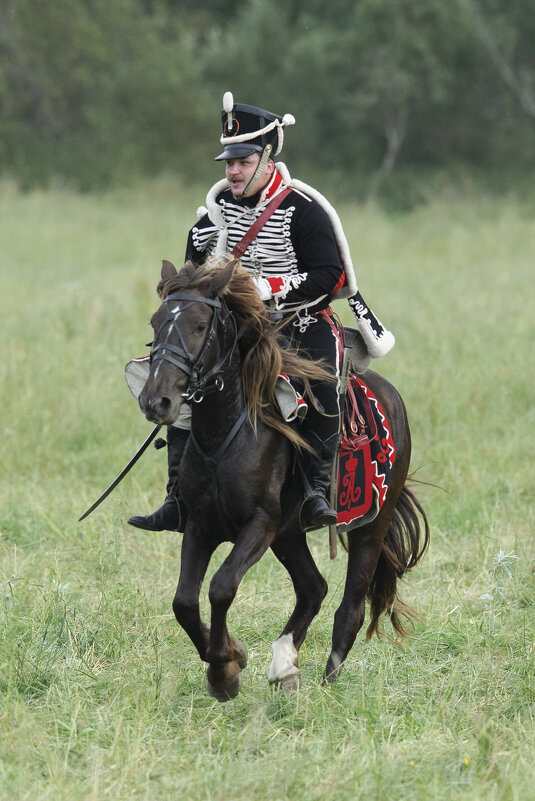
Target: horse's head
185,354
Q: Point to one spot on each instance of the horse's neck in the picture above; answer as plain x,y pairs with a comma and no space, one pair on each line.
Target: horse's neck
213,419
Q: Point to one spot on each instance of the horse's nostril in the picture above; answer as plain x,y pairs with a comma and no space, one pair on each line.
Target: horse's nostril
155,408
162,405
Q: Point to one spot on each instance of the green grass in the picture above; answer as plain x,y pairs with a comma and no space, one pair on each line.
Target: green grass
101,694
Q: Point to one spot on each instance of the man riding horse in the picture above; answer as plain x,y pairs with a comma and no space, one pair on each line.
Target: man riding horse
291,240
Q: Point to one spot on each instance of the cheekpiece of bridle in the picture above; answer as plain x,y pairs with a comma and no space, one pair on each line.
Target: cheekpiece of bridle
201,383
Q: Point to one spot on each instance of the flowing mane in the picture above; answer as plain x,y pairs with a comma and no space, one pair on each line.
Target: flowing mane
264,357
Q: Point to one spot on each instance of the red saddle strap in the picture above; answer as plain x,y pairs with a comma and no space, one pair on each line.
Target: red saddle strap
239,249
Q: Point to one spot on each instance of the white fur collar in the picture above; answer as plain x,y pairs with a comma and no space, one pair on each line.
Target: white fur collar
213,209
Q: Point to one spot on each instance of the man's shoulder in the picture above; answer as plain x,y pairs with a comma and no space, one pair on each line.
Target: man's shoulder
305,191
307,207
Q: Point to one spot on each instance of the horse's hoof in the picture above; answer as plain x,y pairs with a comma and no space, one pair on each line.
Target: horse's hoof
223,681
288,684
226,694
330,678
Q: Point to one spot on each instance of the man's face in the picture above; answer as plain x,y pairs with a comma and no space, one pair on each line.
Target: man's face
240,171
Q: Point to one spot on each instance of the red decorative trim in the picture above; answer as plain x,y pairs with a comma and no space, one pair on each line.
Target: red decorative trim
276,283
272,187
365,460
343,278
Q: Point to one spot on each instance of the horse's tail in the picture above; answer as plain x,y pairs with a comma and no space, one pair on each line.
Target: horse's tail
403,547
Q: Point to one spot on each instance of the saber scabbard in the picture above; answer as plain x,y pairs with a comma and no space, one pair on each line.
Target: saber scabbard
123,473
344,377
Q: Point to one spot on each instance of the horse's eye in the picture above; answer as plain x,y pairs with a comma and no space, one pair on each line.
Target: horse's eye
201,327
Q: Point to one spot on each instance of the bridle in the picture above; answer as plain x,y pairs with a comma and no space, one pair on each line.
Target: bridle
201,383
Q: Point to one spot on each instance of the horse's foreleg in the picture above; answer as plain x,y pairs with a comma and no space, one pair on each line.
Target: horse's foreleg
310,590
364,546
227,656
195,557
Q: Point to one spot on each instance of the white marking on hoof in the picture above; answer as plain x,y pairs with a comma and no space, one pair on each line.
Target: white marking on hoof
285,659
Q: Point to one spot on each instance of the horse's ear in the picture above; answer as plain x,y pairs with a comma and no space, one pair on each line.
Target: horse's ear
222,277
168,270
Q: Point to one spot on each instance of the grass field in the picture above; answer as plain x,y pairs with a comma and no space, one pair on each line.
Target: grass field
102,696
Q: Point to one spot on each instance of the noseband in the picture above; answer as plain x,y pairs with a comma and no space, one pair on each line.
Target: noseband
200,383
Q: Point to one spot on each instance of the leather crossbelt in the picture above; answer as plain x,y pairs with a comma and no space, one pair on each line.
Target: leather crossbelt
239,249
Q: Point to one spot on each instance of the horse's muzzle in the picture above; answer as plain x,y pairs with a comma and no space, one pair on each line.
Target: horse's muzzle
157,409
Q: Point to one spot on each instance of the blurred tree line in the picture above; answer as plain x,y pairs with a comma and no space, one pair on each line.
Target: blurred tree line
97,92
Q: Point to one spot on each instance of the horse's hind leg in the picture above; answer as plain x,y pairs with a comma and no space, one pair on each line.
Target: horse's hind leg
310,590
364,545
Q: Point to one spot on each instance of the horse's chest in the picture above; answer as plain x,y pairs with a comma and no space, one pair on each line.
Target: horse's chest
233,488
211,488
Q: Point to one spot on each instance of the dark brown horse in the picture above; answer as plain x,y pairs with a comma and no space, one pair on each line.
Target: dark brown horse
215,346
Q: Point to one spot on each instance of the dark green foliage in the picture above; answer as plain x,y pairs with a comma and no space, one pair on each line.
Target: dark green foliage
97,92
